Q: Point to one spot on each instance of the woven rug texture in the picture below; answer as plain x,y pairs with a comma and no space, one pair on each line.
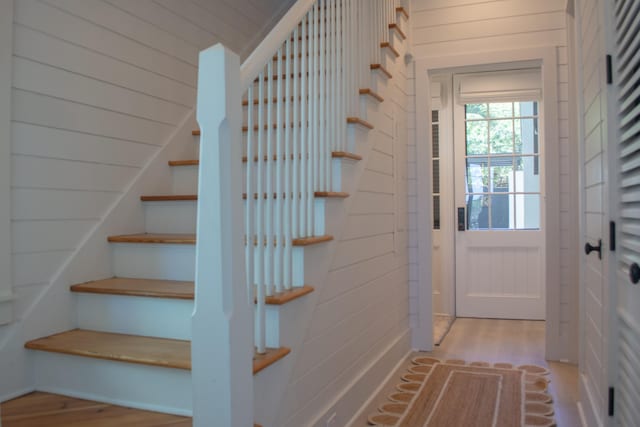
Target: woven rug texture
454,393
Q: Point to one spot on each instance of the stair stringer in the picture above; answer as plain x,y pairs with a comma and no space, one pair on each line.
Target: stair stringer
295,318
53,309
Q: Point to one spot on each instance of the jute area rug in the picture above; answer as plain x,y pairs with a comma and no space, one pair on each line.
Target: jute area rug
454,393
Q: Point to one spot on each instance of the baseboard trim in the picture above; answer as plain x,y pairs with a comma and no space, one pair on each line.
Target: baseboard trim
117,402
583,419
13,395
381,385
376,372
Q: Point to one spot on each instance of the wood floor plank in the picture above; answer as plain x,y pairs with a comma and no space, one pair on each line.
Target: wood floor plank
138,287
162,352
40,409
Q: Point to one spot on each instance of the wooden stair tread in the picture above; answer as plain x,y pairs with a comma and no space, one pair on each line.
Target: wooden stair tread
289,295
271,356
334,154
387,45
156,288
195,132
169,197
138,287
397,29
168,353
185,239
380,68
367,91
184,162
402,11
319,194
345,155
306,241
359,121
163,352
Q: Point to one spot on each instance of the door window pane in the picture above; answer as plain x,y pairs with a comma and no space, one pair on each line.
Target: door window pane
477,137
502,166
477,174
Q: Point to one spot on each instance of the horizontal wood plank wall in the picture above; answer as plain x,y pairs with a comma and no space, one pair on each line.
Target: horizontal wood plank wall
363,307
442,27
593,340
98,87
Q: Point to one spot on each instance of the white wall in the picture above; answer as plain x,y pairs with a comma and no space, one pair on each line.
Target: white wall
360,325
6,48
98,87
444,27
590,41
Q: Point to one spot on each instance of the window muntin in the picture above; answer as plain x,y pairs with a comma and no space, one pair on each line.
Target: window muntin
502,166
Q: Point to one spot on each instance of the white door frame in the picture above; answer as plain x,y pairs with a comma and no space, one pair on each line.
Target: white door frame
6,53
547,58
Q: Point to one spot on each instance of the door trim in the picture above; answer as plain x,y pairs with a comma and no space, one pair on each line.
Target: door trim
6,65
547,58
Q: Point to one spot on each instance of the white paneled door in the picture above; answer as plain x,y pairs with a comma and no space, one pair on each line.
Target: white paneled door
499,204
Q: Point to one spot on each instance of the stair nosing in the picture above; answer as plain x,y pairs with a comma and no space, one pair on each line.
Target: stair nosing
260,362
151,238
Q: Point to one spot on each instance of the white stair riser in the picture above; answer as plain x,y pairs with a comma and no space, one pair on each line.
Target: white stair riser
184,179
171,216
319,207
152,317
154,261
128,384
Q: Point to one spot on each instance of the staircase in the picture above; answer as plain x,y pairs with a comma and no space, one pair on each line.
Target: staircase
132,345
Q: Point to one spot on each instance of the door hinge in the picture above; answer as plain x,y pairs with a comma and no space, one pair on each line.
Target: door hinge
611,401
609,70
612,236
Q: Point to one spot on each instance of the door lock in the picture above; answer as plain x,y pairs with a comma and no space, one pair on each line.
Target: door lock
462,219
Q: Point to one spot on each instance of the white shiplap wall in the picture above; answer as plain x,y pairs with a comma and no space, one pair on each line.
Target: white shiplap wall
362,311
98,87
590,39
442,27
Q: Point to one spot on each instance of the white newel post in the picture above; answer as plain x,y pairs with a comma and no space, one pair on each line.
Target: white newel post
222,332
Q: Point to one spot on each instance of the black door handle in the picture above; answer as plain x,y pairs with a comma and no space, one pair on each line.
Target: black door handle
634,273
462,219
588,248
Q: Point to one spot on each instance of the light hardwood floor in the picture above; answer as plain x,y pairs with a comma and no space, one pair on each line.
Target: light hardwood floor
490,340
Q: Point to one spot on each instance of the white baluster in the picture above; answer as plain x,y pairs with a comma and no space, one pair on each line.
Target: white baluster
298,120
260,215
249,210
268,269
304,126
288,177
282,126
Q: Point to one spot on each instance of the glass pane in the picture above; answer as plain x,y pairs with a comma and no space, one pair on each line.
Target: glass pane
477,211
526,136
435,138
476,111
436,176
477,174
434,116
502,211
501,133
436,212
527,211
527,177
502,178
477,138
525,109
501,109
